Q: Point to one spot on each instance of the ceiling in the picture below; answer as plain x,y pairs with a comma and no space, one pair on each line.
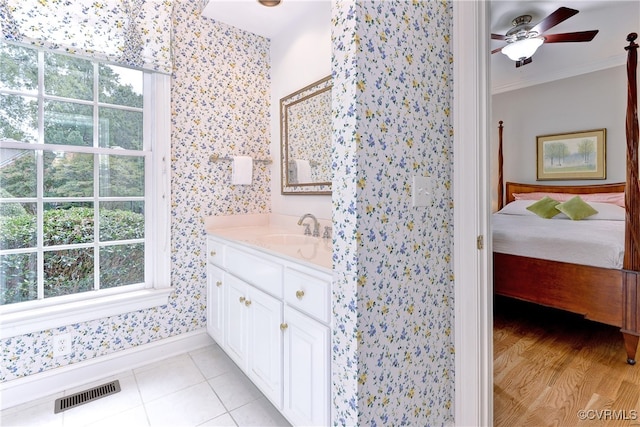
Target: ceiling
613,19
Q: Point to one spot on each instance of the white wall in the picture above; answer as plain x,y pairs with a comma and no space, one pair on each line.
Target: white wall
589,101
300,55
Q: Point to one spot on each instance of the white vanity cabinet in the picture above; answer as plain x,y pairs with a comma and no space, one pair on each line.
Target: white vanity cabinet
272,317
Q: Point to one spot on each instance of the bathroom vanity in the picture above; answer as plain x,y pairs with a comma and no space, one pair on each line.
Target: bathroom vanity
268,308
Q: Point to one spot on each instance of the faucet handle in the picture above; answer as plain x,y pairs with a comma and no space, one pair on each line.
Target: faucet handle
327,232
307,230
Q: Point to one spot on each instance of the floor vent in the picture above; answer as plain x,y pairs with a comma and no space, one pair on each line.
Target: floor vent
86,396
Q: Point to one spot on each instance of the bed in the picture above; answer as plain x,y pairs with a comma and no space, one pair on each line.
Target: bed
606,292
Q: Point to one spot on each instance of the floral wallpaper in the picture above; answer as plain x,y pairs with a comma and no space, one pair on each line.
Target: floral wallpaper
220,105
393,290
136,33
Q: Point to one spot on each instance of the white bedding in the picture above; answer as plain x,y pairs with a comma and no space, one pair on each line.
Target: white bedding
596,241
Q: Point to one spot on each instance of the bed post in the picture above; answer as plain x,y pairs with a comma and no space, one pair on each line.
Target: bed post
500,179
631,262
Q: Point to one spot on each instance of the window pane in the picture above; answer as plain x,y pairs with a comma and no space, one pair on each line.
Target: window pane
120,86
68,123
67,223
121,265
120,129
68,76
17,173
18,278
18,118
121,221
68,174
18,68
121,176
17,225
68,272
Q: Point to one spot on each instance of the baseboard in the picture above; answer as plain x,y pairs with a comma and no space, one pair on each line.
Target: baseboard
36,386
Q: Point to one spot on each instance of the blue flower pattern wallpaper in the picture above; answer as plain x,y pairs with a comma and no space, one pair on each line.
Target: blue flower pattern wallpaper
393,287
392,345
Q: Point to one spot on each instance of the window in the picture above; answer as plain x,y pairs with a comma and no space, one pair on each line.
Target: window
82,179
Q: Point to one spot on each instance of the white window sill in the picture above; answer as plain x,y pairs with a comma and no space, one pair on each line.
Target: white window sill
54,316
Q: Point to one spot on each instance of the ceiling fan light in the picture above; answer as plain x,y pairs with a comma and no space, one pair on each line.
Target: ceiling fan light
522,49
269,3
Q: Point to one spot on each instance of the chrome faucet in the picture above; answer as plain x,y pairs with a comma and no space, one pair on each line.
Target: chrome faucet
316,225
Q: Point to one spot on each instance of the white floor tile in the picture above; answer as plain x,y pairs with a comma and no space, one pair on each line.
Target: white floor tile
201,388
40,414
167,376
188,407
259,413
223,420
135,417
127,398
234,389
212,361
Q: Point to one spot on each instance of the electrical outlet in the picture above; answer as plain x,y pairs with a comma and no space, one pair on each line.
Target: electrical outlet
61,344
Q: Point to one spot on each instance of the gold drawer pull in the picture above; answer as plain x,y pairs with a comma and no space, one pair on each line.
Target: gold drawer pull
218,283
247,302
212,253
299,294
242,299
283,326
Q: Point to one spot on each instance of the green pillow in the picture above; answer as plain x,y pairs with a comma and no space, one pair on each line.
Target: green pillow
545,207
576,208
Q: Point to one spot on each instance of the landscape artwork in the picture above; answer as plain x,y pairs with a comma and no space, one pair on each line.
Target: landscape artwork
576,155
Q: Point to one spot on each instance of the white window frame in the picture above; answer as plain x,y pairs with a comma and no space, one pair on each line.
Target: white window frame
22,318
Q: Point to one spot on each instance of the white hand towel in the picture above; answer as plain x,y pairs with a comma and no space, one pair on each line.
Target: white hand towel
304,171
242,170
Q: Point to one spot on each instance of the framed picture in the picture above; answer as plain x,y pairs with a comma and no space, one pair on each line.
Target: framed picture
576,155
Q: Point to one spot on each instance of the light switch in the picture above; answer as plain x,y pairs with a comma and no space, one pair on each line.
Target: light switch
421,191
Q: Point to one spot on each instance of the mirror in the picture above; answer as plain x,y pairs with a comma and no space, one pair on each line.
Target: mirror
306,131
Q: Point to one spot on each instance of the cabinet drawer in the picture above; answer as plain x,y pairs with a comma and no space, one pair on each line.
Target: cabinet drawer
215,252
257,271
307,293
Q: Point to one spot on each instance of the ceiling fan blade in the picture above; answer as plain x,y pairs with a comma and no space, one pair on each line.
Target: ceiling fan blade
580,36
496,50
497,37
554,19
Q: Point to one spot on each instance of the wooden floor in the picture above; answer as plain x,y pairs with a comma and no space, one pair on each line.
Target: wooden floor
550,365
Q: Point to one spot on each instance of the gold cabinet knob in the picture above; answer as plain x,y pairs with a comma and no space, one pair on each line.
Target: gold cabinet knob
247,302
242,299
212,253
299,294
218,283
283,326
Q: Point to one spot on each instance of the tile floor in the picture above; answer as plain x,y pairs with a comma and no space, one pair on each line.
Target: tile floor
200,388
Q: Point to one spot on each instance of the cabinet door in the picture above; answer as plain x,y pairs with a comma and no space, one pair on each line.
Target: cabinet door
215,303
307,372
236,320
265,344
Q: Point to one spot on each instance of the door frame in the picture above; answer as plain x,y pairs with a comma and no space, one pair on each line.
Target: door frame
473,324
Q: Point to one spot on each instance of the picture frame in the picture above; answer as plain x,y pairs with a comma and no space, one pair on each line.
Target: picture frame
572,156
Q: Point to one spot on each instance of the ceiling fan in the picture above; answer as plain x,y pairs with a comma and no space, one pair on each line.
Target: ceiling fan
524,39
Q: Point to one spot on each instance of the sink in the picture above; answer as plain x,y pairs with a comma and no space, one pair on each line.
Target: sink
288,239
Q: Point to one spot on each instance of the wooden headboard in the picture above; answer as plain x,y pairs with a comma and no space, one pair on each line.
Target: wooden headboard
514,187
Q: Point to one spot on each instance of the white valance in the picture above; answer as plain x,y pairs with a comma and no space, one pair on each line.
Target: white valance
134,33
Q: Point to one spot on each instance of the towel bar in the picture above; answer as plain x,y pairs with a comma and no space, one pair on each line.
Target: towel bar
217,158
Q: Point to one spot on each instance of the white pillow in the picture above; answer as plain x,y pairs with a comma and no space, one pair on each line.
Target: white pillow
606,211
